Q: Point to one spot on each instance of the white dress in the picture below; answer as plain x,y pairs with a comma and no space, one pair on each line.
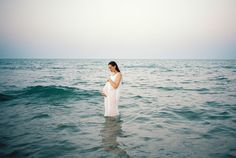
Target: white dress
112,97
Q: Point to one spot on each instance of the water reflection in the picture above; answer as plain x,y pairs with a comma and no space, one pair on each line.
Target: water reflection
112,127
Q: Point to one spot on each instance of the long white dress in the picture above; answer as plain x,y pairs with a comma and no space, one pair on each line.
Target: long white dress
111,100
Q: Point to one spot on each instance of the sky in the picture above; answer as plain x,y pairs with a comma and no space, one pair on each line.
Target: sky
120,29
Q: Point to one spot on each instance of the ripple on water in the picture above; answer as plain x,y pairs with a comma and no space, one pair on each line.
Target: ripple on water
67,127
189,113
137,97
221,106
220,116
169,88
165,113
40,116
222,130
142,119
60,148
4,97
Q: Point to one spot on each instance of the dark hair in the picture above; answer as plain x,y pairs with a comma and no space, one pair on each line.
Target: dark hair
114,64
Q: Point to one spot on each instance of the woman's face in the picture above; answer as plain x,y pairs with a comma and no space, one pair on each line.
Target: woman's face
112,68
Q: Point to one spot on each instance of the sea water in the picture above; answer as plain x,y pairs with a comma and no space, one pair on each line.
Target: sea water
168,108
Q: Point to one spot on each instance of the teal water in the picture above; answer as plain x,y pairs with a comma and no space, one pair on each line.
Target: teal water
169,108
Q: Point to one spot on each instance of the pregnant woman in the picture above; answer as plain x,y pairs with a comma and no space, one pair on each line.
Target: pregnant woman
111,90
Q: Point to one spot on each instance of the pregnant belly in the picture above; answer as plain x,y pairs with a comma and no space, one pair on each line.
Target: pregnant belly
108,89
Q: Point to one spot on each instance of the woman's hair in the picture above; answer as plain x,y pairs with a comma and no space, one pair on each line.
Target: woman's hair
114,64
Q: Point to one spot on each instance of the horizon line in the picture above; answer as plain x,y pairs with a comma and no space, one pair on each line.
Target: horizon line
119,58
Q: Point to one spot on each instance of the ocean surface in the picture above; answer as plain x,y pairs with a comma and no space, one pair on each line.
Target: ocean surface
168,109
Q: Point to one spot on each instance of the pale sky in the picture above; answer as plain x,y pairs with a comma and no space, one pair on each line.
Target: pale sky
118,29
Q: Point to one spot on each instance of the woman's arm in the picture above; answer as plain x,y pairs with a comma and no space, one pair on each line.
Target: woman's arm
116,83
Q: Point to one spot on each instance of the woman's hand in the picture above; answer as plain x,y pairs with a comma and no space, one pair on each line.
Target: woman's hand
103,94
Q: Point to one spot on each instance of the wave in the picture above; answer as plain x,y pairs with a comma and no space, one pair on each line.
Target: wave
71,127
181,89
4,97
220,79
197,89
39,116
188,113
229,67
170,88
51,92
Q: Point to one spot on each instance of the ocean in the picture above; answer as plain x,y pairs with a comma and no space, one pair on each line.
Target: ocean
168,108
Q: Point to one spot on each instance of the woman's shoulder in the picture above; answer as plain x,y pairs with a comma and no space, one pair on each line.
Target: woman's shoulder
119,74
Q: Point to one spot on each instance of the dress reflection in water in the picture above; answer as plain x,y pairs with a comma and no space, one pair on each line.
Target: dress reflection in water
112,128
